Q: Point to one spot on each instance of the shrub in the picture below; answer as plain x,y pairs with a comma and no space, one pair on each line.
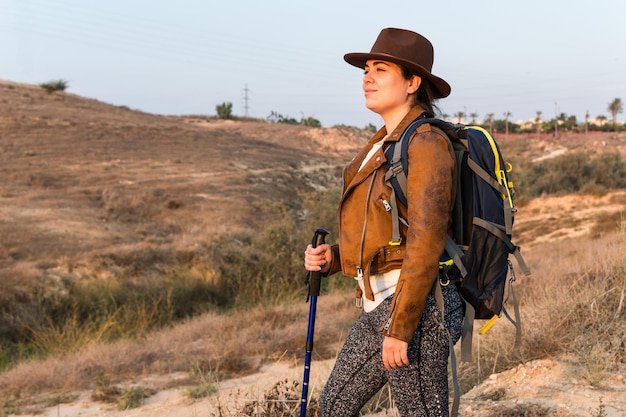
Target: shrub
55,85
311,122
570,173
224,110
266,267
246,270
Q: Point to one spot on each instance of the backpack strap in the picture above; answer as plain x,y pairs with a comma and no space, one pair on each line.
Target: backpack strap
467,332
508,212
396,176
456,390
500,234
517,322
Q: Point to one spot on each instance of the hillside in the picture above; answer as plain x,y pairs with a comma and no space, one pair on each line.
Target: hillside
83,178
89,188
95,190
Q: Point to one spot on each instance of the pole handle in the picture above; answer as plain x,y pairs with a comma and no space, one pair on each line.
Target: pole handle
315,277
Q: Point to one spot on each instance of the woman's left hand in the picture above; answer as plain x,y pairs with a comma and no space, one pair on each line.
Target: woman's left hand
395,353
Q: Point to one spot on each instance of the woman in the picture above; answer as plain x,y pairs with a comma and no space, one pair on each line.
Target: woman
399,337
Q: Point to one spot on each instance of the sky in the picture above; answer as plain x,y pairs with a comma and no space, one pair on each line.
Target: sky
185,57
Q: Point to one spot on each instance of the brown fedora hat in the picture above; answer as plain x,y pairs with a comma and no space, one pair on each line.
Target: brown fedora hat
405,48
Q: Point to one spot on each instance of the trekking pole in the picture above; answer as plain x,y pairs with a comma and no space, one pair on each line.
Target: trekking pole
314,279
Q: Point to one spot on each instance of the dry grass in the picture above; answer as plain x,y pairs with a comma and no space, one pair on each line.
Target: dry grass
572,307
225,345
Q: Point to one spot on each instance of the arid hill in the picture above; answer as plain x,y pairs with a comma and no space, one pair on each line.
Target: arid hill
86,183
84,178
89,189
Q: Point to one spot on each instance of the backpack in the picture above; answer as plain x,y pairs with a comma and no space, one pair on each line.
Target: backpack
477,258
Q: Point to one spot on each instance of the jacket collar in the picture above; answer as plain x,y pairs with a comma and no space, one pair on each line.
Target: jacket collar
351,173
414,113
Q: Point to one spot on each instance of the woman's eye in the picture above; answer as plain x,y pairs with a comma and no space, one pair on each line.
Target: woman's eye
378,69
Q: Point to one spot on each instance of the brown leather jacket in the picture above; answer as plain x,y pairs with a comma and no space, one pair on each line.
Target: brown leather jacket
365,225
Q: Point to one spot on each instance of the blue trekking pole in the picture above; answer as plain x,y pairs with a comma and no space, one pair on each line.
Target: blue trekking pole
314,279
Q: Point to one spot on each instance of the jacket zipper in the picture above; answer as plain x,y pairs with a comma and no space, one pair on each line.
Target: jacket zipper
388,325
392,312
359,268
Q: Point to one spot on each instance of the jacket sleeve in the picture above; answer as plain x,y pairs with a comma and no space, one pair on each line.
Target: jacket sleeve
335,263
430,196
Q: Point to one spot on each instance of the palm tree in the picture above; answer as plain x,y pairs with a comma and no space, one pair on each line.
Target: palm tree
615,107
587,122
601,118
562,117
459,116
506,123
538,122
571,123
474,116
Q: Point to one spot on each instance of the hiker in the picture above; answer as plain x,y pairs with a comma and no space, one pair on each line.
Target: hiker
399,337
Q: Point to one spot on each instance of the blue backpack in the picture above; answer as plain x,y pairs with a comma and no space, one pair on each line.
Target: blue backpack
476,259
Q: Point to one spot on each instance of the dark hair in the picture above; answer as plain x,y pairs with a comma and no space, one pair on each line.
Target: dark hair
424,95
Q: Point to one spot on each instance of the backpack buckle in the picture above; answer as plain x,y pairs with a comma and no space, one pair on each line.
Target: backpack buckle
447,263
443,267
395,243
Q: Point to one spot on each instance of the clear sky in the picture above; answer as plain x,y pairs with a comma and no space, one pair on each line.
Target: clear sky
286,56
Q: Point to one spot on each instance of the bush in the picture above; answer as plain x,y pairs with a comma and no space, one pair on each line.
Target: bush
92,310
224,110
245,270
570,173
267,267
56,85
311,122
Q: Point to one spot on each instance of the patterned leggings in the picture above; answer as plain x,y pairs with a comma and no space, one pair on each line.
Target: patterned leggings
420,389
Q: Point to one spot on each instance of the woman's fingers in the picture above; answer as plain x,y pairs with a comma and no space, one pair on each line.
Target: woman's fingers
395,353
315,258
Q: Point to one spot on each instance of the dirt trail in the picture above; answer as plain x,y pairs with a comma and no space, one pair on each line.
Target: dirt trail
543,387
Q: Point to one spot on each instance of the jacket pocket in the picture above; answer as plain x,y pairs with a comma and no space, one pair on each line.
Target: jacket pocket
383,201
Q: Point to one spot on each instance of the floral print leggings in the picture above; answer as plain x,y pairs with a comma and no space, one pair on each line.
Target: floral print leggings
420,389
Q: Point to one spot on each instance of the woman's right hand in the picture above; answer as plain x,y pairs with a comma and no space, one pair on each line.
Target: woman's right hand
318,259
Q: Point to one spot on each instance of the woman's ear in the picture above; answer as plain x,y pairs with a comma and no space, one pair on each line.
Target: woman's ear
414,84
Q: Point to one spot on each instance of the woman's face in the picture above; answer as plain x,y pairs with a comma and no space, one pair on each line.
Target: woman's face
386,90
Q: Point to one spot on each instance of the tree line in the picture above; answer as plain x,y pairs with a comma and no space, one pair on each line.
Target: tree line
562,122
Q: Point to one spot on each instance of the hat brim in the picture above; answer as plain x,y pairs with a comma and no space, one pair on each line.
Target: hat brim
440,86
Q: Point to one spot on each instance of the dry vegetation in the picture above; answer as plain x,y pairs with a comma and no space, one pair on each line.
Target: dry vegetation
116,208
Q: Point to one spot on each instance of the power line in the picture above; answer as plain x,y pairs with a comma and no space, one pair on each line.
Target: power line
246,98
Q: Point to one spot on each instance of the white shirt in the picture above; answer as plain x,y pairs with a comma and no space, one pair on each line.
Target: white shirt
383,285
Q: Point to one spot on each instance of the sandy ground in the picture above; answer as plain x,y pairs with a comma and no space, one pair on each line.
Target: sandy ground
544,387
232,396
546,384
